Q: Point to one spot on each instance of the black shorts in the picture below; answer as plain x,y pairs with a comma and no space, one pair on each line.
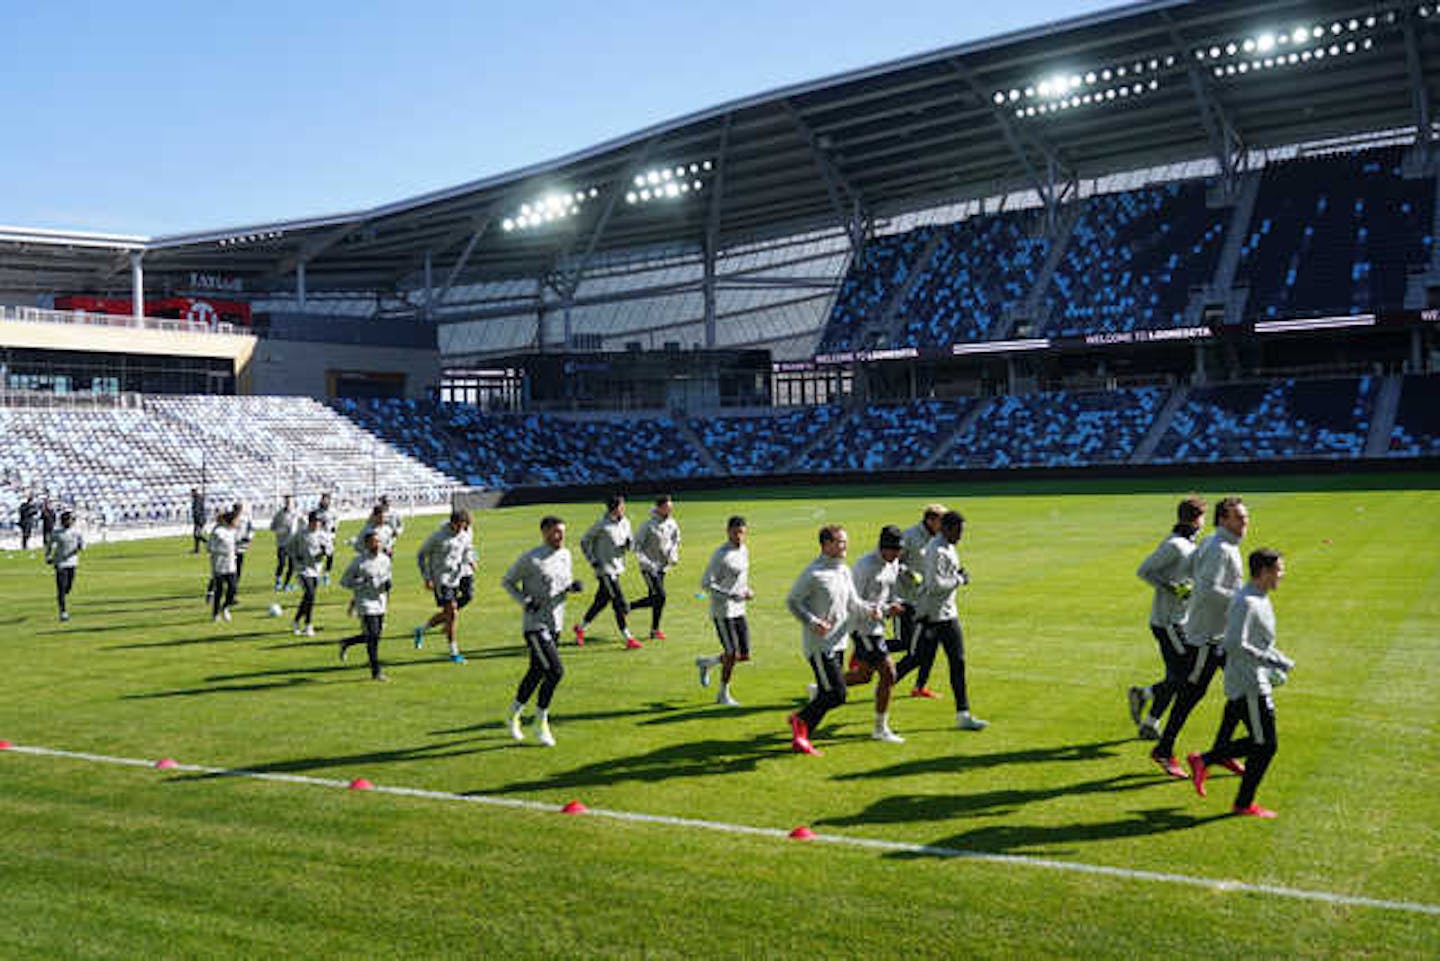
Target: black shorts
871,650
734,636
465,590
446,595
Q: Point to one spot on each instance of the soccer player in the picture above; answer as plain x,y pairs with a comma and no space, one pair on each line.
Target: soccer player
1168,571
198,518
376,524
875,575
244,536
727,581
392,518
369,577
604,546
1253,667
29,517
62,552
657,549
907,586
222,566
284,523
1219,573
824,600
940,618
538,581
307,553
442,563
329,523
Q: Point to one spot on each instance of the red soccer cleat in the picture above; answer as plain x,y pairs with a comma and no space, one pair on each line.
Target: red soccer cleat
1234,766
632,645
1254,811
854,662
798,730
924,692
1196,760
579,636
802,745
1169,765
657,635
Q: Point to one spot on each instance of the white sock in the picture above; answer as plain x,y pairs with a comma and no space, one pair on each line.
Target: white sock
724,690
1148,693
543,715
882,720
515,708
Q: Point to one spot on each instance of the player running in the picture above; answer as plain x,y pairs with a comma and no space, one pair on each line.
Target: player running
727,581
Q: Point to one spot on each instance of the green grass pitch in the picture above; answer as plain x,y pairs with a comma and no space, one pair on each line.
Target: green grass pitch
105,861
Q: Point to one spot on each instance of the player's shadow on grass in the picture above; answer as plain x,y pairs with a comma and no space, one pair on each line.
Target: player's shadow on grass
958,763
696,759
1057,840
905,808
711,711
654,707
221,689
424,752
186,641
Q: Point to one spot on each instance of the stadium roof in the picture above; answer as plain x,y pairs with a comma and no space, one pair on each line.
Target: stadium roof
1135,86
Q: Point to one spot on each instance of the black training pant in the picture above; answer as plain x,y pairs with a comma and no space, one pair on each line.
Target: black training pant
609,592
545,668
1257,713
936,636
829,671
306,611
1174,652
655,599
284,565
224,593
64,581
1200,666
371,627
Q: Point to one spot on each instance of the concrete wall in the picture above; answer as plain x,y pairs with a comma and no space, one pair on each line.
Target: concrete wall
293,367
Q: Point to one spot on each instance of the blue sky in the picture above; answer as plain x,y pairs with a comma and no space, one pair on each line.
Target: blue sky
156,117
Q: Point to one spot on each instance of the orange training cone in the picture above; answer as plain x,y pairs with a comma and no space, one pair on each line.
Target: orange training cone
361,784
165,764
802,833
574,807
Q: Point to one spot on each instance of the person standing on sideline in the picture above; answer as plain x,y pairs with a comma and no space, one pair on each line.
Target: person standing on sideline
62,552
824,600
604,546
1219,573
1253,667
727,581
29,518
198,519
244,536
329,524
907,586
940,617
368,576
285,523
875,575
657,549
442,558
47,519
1168,571
222,567
307,553
539,580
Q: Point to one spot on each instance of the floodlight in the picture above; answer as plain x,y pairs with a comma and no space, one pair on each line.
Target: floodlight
1370,21
1230,48
1029,91
1106,75
1214,52
1300,35
1154,64
697,186
1368,43
645,195
639,180
1265,42
1305,56
705,165
594,192
1353,24
652,177
1014,96
1075,81
1335,28
631,197
1170,60
672,190
1090,77
1334,49
1350,46
694,168
1317,32
680,171
509,225
1248,46
999,98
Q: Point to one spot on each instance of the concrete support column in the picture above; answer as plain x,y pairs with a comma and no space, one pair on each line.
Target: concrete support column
300,285
137,284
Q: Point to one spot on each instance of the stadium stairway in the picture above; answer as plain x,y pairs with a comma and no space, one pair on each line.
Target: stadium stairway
708,459
1237,230
826,436
1151,440
942,450
1031,310
890,318
1377,442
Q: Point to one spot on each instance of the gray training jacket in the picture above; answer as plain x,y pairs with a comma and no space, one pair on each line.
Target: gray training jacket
1168,567
1250,651
542,574
1219,573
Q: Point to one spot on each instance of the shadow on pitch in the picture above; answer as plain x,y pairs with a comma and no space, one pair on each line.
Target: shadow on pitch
712,711
654,707
695,759
959,763
290,682
186,641
1056,840
424,752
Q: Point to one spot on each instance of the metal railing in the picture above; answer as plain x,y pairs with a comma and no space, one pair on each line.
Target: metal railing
41,315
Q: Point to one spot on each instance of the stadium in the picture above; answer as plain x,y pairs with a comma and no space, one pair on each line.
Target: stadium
1057,279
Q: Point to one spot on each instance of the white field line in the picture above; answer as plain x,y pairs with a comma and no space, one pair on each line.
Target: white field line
1073,867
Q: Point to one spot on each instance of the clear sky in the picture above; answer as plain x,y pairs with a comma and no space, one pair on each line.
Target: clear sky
155,117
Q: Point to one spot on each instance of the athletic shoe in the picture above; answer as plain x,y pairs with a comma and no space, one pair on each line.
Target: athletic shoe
512,724
419,637
216,618
1136,697
457,658
64,615
1168,764
544,736
296,629
924,692
802,745
1148,730
965,722
854,661
1253,811
344,651
886,735
724,698
1196,760
277,585
632,645
1234,766
380,677
327,580
703,666
309,630
225,614
798,730
579,636
657,635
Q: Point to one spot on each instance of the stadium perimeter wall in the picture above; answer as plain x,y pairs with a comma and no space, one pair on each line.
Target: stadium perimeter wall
304,368
1342,472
